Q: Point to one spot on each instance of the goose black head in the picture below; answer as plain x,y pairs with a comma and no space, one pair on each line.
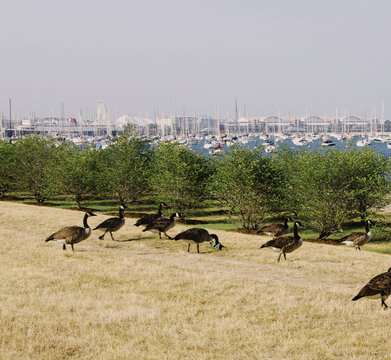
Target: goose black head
179,215
298,223
217,243
90,213
123,206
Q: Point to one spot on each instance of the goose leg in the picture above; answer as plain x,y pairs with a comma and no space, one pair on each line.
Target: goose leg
198,248
188,248
383,303
72,247
279,256
102,236
64,247
284,255
160,235
111,236
358,248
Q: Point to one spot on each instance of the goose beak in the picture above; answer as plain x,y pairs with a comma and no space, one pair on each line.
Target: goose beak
219,246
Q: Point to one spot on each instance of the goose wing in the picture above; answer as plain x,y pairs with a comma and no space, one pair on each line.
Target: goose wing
380,284
354,237
109,223
72,232
194,234
147,219
159,224
279,242
272,229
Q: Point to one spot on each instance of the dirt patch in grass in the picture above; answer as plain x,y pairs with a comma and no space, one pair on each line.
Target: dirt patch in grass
36,203
245,231
324,241
137,215
82,209
319,241
11,198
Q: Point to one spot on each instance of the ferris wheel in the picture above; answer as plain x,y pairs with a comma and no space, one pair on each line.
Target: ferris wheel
101,115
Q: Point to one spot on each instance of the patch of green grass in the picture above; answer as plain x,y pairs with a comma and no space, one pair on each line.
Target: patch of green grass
220,226
379,247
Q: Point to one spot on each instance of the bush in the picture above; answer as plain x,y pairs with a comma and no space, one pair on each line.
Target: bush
124,168
180,176
250,184
72,173
7,165
34,156
327,188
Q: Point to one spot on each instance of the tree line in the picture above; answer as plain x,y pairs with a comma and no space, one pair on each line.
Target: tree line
324,188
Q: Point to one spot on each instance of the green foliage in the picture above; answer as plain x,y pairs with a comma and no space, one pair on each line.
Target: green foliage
72,173
124,168
369,180
180,176
327,188
34,156
250,184
7,165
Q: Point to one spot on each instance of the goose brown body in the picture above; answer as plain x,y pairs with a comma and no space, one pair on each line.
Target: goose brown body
150,218
358,239
112,224
162,225
198,236
72,234
275,229
286,244
378,287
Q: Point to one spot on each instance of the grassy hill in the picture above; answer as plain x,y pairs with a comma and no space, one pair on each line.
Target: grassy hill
144,298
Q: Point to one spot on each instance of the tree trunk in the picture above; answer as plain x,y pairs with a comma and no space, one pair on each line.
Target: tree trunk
324,234
78,199
40,199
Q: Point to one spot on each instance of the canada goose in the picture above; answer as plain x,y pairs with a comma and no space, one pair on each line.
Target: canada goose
377,288
150,218
162,225
286,244
72,234
198,235
112,224
358,239
276,229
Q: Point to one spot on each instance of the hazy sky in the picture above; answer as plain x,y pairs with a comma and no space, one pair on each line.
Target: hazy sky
280,56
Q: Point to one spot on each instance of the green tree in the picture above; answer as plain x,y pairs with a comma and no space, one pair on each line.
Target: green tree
369,180
73,173
327,188
33,158
250,184
124,168
7,166
180,176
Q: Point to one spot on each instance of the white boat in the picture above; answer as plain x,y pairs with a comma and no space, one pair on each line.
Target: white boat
300,141
362,142
270,148
328,143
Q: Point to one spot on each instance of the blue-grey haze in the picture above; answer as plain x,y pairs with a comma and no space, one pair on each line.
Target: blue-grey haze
143,57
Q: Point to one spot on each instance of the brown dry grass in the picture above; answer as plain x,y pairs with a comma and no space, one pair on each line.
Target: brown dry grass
144,298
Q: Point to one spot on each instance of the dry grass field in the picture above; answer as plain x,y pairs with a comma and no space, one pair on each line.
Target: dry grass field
144,298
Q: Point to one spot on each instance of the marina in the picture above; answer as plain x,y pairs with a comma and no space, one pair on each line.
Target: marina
209,134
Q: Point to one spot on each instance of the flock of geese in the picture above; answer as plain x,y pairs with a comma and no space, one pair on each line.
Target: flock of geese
377,288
